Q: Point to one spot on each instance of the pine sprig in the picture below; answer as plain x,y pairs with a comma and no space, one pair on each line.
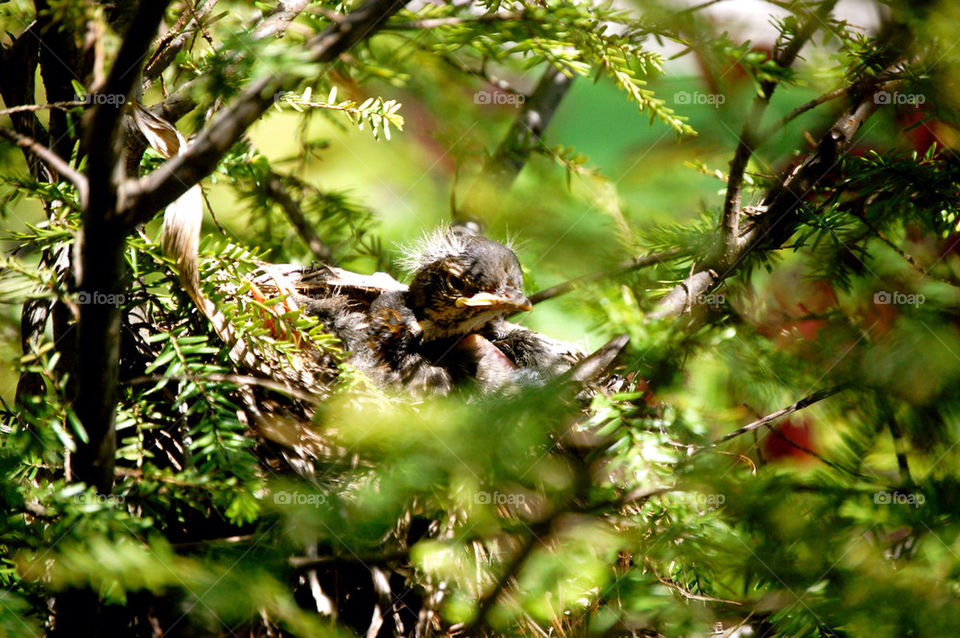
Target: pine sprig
377,113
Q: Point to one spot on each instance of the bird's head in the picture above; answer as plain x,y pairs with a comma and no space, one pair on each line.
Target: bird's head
462,282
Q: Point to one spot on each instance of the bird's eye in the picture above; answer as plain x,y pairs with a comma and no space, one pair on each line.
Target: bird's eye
454,281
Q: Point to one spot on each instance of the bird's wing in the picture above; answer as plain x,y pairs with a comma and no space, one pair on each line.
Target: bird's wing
532,350
323,281
547,358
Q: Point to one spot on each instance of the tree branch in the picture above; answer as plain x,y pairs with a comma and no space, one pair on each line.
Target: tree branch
513,152
451,21
25,108
685,592
809,400
101,140
856,207
17,89
634,263
142,199
748,136
306,563
174,40
896,434
280,18
489,599
101,268
275,189
51,158
774,221
842,91
61,63
529,125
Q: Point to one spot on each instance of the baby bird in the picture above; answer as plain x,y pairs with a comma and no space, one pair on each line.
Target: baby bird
448,326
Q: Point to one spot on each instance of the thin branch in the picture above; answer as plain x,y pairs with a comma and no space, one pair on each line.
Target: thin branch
634,263
239,379
803,108
855,207
280,18
748,136
207,542
536,535
488,600
775,220
514,150
452,21
530,123
174,40
274,187
306,563
51,158
18,87
897,435
63,60
63,106
699,7
686,593
809,400
783,437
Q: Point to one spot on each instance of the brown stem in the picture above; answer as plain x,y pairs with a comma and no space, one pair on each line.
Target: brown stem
803,108
489,599
275,188
280,18
434,23
748,136
144,197
530,123
514,150
40,151
776,220
809,400
634,263
101,269
174,40
898,441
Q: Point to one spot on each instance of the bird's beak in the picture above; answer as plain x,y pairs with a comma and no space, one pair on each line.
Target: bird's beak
511,300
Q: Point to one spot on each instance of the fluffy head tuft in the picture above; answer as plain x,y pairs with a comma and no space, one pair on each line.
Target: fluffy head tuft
445,241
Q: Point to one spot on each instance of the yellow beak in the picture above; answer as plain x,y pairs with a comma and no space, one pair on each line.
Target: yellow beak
509,301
